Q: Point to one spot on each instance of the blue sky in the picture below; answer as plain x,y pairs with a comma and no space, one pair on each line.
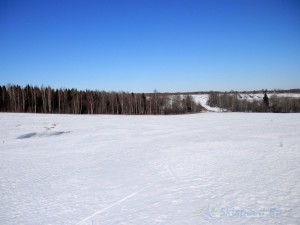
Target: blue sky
144,45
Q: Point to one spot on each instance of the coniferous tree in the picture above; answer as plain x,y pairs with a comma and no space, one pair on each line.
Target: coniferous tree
266,99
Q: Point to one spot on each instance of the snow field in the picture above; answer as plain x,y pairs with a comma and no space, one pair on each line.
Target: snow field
207,168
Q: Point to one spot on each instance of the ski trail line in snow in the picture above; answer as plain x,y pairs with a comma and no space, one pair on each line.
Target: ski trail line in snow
116,203
171,173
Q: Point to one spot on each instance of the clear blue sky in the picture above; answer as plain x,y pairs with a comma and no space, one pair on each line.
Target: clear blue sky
144,45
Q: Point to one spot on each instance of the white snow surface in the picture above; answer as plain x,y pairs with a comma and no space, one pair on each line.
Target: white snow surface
207,168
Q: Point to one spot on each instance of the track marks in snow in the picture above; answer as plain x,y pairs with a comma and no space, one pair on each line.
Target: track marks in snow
116,203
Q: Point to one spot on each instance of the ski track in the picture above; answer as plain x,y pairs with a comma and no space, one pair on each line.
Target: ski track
116,203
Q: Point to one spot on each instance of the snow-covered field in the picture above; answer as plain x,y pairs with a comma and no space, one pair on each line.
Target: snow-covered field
208,168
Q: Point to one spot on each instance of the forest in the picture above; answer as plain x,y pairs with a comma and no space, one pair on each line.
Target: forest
33,99
233,102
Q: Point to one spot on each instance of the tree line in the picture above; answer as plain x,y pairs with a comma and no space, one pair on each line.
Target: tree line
33,99
233,102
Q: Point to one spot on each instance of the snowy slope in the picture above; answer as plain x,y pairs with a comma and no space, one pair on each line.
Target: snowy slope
198,98
202,99
209,168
